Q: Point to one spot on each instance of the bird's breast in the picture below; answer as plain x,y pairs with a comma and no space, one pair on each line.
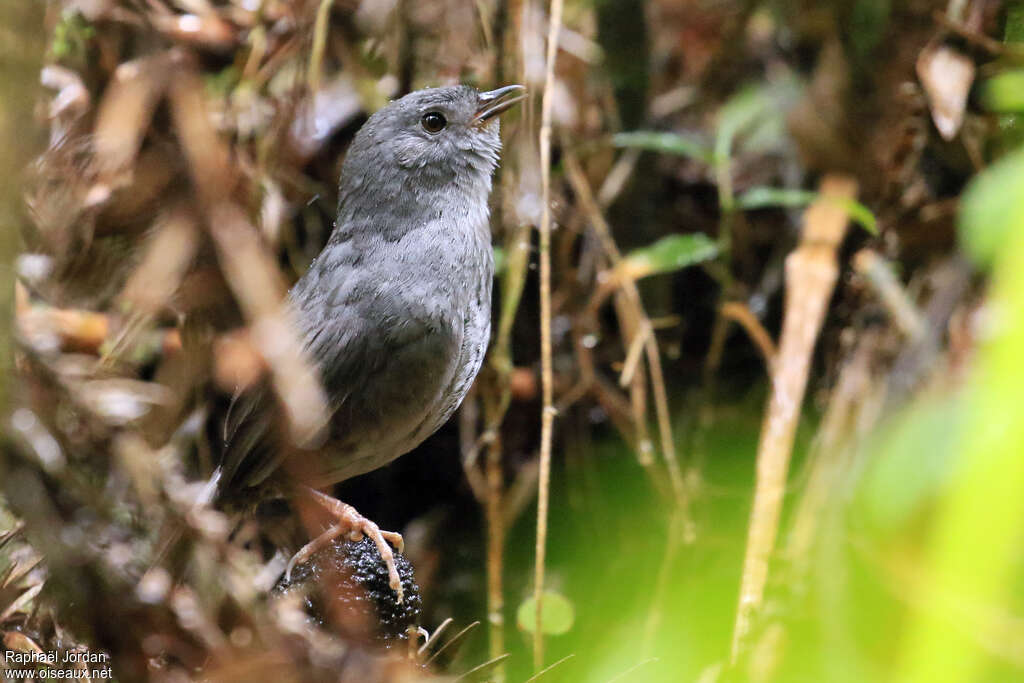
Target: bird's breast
401,340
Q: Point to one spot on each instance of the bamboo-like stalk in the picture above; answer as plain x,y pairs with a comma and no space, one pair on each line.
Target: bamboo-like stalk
547,379
811,272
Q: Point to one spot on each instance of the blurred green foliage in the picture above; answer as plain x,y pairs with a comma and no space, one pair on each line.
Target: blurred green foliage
71,36
993,210
668,254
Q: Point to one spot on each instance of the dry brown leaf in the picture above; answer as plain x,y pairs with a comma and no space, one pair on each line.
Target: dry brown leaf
257,284
21,602
125,114
208,156
946,75
168,256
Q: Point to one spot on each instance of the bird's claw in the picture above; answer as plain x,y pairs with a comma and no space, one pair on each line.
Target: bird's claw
354,527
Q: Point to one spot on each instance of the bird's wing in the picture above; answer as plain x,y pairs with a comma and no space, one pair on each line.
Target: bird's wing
378,355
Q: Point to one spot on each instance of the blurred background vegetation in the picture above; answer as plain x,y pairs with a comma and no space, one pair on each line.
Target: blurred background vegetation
787,336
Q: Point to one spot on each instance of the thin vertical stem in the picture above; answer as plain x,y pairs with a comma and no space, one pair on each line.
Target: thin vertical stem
548,410
316,57
497,404
494,509
589,204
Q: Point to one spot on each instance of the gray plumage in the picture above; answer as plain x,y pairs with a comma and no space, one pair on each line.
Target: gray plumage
395,311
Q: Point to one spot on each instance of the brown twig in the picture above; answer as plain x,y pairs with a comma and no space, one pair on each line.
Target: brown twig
82,331
547,378
904,313
811,272
588,203
496,528
986,43
249,268
738,312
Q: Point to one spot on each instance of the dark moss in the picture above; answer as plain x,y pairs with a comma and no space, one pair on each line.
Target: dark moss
363,595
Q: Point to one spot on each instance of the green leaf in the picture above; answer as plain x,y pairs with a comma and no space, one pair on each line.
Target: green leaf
770,197
765,197
1004,92
991,207
666,143
557,614
667,254
972,541
913,454
860,214
71,35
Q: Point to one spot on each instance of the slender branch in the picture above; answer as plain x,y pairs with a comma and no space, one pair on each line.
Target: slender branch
494,510
880,277
316,57
738,312
585,196
547,379
668,446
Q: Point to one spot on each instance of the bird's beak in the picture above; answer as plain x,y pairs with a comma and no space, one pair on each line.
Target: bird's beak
495,102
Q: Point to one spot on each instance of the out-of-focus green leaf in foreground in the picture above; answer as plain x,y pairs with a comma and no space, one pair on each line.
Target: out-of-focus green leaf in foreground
1004,93
966,593
993,208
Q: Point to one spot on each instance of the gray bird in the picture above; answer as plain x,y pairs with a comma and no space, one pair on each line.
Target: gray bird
395,311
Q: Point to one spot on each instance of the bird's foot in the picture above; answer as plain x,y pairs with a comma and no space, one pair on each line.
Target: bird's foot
352,526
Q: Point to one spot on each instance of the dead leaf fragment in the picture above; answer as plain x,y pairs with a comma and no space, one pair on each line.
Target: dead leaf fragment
946,75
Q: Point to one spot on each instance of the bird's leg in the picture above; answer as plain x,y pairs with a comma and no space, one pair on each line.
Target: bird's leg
352,526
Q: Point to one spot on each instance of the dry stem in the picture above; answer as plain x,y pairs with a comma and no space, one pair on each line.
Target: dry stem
588,203
811,272
740,313
904,313
547,379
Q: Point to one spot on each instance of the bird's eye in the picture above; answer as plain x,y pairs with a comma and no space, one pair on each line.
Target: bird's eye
434,122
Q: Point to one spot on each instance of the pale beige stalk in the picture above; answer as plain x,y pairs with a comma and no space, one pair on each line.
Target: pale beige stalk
811,273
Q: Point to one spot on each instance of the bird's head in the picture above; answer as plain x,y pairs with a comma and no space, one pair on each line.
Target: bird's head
435,136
